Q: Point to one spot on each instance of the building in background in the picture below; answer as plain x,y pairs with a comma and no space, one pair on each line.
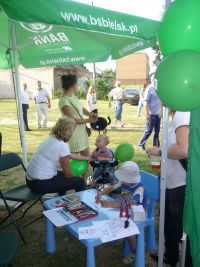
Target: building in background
50,78
133,69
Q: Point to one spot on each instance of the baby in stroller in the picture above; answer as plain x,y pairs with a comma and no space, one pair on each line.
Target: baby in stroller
104,155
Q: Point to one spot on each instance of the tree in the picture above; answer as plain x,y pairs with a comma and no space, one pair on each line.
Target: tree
102,88
104,83
109,73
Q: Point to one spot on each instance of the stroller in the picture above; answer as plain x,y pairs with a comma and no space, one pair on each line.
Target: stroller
103,172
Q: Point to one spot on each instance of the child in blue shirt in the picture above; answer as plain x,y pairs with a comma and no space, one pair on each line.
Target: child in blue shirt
132,192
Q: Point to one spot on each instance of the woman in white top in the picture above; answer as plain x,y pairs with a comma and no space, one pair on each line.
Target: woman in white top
92,100
178,135
42,173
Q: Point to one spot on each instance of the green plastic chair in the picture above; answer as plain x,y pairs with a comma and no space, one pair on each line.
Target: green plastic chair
8,248
20,194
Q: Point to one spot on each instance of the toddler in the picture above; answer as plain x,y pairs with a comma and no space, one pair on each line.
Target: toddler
102,153
132,192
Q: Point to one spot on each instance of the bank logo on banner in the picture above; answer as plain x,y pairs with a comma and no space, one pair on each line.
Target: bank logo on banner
36,27
48,39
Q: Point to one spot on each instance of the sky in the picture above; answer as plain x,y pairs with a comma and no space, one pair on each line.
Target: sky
152,9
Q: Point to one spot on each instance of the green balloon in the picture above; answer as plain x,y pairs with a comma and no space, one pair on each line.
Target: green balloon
78,167
124,152
178,81
179,28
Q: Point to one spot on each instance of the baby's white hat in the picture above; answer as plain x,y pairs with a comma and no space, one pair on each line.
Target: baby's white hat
128,173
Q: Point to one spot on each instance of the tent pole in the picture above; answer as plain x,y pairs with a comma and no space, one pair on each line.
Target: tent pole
18,94
94,75
163,186
163,178
94,67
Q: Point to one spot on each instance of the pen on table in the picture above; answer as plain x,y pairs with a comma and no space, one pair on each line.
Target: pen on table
98,192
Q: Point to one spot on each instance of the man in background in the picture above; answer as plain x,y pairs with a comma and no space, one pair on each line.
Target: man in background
141,100
25,105
118,95
152,105
43,102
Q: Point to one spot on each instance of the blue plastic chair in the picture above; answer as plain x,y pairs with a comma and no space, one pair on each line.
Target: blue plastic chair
152,189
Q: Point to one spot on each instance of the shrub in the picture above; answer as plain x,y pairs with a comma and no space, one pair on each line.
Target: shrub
80,93
56,93
102,87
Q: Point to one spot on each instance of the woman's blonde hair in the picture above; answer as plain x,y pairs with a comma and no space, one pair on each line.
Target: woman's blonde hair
64,128
90,89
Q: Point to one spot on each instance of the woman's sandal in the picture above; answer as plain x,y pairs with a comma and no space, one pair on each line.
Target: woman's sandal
129,259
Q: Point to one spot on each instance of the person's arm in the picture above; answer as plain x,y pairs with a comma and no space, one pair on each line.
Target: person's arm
104,158
79,157
86,112
49,102
106,191
65,165
89,114
110,204
67,111
48,99
176,151
180,149
124,95
145,103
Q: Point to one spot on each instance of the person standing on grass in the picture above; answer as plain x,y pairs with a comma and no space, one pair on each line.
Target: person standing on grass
71,107
43,102
152,105
177,154
92,100
118,95
141,100
25,105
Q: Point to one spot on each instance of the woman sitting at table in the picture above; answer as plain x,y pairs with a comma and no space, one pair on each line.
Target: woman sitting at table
42,175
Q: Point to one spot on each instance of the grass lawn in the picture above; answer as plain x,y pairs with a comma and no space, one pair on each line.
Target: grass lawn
69,251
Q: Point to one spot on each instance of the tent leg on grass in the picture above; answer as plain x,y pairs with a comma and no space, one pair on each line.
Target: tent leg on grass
18,95
94,75
183,253
163,178
163,186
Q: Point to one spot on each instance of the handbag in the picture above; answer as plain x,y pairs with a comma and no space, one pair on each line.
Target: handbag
183,163
88,131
